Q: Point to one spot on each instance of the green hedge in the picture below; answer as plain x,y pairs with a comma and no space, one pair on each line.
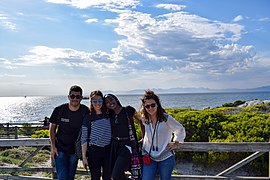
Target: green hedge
226,124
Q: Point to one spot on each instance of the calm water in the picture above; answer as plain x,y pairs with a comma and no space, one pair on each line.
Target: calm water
33,109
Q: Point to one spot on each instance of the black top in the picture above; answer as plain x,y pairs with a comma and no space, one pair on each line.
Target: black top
68,126
119,123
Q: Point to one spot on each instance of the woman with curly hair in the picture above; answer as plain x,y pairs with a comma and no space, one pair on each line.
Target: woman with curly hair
159,127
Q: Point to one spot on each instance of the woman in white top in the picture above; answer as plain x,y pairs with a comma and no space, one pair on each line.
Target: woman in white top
159,128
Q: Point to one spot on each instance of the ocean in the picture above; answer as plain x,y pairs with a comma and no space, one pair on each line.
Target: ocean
33,109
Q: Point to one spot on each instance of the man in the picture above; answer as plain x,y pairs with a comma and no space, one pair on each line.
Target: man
67,119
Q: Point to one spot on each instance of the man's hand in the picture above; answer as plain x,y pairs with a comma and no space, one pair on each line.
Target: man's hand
54,152
85,163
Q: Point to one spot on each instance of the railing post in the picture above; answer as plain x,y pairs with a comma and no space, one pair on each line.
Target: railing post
269,165
8,130
16,132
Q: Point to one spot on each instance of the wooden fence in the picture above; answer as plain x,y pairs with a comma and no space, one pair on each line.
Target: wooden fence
258,148
12,130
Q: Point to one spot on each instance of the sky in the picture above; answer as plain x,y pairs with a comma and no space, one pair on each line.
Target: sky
46,46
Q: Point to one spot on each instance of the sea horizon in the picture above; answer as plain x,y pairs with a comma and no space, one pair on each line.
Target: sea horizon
35,108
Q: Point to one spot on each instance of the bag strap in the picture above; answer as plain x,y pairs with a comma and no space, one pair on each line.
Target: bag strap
83,112
79,135
61,110
131,133
152,136
89,129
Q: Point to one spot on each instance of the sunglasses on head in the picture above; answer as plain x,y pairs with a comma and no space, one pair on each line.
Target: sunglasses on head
72,96
147,106
95,101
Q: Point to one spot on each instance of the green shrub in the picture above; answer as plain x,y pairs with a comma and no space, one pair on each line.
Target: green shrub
41,134
225,124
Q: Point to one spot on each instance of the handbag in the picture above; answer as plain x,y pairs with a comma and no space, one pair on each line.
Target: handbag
146,158
135,161
78,146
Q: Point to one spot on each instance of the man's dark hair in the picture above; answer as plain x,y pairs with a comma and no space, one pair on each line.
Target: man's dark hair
76,89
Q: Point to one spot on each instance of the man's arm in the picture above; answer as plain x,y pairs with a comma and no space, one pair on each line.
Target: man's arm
52,131
84,158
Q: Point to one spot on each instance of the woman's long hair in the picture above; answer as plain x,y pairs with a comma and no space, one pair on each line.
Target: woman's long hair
149,94
103,108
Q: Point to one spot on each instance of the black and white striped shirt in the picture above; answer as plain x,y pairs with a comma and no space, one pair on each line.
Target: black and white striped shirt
100,131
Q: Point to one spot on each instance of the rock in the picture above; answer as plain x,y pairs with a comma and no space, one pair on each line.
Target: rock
253,103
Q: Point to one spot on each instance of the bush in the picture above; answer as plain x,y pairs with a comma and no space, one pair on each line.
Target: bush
41,134
225,124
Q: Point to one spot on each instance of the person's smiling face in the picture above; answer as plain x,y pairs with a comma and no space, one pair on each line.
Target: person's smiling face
151,106
75,98
110,102
97,102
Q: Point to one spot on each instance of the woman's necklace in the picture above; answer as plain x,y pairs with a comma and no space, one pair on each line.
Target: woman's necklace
116,121
154,147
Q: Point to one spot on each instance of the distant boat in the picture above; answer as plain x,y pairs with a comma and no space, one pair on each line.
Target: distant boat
24,96
85,97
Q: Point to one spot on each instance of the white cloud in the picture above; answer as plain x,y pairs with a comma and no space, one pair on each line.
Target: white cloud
238,18
92,20
172,7
13,75
180,42
6,23
104,4
171,42
265,19
42,55
175,47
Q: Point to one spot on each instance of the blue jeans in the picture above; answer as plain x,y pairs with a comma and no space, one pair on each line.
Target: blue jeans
66,165
164,167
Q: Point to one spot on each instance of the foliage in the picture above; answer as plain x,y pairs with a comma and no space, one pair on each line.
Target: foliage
26,130
41,134
234,104
17,155
226,124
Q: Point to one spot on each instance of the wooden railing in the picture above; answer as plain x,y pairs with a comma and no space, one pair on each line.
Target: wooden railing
258,148
11,130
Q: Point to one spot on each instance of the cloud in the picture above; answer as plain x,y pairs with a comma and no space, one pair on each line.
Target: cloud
176,42
238,18
180,42
172,7
42,55
176,45
265,19
13,75
93,20
6,23
105,4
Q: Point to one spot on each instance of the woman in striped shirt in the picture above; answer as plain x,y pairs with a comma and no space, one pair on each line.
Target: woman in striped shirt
96,138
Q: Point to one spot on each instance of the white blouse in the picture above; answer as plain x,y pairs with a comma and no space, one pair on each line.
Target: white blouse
163,135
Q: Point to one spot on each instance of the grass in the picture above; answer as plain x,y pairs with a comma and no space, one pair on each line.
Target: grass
15,156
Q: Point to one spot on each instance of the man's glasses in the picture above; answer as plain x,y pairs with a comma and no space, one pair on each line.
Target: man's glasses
95,101
147,106
72,96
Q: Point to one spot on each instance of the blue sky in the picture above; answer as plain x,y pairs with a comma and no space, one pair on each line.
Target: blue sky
48,45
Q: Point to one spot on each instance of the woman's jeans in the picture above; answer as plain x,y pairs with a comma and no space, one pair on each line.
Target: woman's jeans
164,168
66,165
